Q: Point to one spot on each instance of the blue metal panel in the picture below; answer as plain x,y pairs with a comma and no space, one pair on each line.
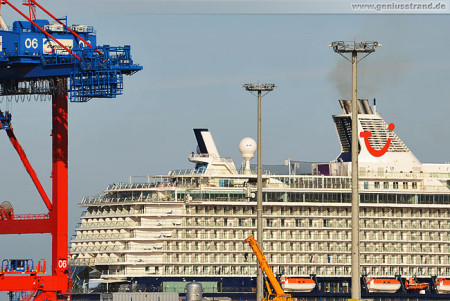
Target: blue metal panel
26,26
27,55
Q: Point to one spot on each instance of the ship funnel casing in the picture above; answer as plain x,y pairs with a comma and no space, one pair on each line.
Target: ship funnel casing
207,160
370,121
205,142
363,106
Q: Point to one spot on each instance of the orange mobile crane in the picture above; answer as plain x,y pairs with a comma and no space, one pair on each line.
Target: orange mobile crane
279,294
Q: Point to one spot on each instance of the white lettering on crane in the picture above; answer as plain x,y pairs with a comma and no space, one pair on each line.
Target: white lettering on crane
31,43
62,263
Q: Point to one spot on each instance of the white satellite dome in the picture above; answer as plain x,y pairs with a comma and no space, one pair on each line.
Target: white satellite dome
247,147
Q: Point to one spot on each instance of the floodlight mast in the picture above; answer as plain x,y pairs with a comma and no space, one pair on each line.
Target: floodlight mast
259,205
354,47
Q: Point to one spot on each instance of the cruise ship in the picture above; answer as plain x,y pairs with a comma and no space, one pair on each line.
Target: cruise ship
157,232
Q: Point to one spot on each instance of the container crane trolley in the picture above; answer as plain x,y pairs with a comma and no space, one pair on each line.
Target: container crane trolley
42,58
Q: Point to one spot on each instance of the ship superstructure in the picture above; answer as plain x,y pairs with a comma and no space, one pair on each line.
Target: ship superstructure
191,224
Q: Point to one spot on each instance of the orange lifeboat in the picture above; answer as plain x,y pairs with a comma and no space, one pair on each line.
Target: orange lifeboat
412,284
443,285
291,284
382,285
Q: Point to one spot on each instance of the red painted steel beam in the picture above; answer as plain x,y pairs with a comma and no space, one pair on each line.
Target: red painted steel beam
28,283
26,226
69,29
43,31
31,9
29,169
60,186
57,225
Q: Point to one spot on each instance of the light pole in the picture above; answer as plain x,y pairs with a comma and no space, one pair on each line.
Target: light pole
259,205
354,48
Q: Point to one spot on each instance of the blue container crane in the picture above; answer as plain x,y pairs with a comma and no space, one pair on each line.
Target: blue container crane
34,52
43,58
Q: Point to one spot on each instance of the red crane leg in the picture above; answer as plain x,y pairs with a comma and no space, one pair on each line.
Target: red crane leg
29,169
60,185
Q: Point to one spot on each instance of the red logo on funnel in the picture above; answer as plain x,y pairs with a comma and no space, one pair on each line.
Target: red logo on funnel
372,151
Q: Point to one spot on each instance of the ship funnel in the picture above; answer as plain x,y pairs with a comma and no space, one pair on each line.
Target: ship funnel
363,106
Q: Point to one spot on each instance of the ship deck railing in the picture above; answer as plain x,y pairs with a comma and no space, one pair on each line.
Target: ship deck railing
111,224
95,261
288,181
96,248
304,187
216,159
101,236
111,213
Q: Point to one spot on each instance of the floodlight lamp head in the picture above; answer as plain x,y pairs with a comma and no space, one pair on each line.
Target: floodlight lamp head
354,46
259,87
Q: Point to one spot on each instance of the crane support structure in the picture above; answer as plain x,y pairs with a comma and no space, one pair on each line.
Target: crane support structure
60,186
39,58
56,222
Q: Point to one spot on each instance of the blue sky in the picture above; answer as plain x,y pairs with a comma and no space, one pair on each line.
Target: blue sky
194,65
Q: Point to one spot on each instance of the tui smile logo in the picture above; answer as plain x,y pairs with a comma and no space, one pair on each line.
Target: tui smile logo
372,151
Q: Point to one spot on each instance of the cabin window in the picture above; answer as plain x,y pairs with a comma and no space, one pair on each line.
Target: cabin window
386,185
405,185
377,185
395,185
414,185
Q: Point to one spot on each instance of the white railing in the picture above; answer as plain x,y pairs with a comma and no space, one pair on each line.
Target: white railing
112,224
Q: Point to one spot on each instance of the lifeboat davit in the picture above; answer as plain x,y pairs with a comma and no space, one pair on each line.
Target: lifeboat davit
291,284
382,285
443,285
413,284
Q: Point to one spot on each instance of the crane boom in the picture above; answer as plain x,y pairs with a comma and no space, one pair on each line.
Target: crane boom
265,266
